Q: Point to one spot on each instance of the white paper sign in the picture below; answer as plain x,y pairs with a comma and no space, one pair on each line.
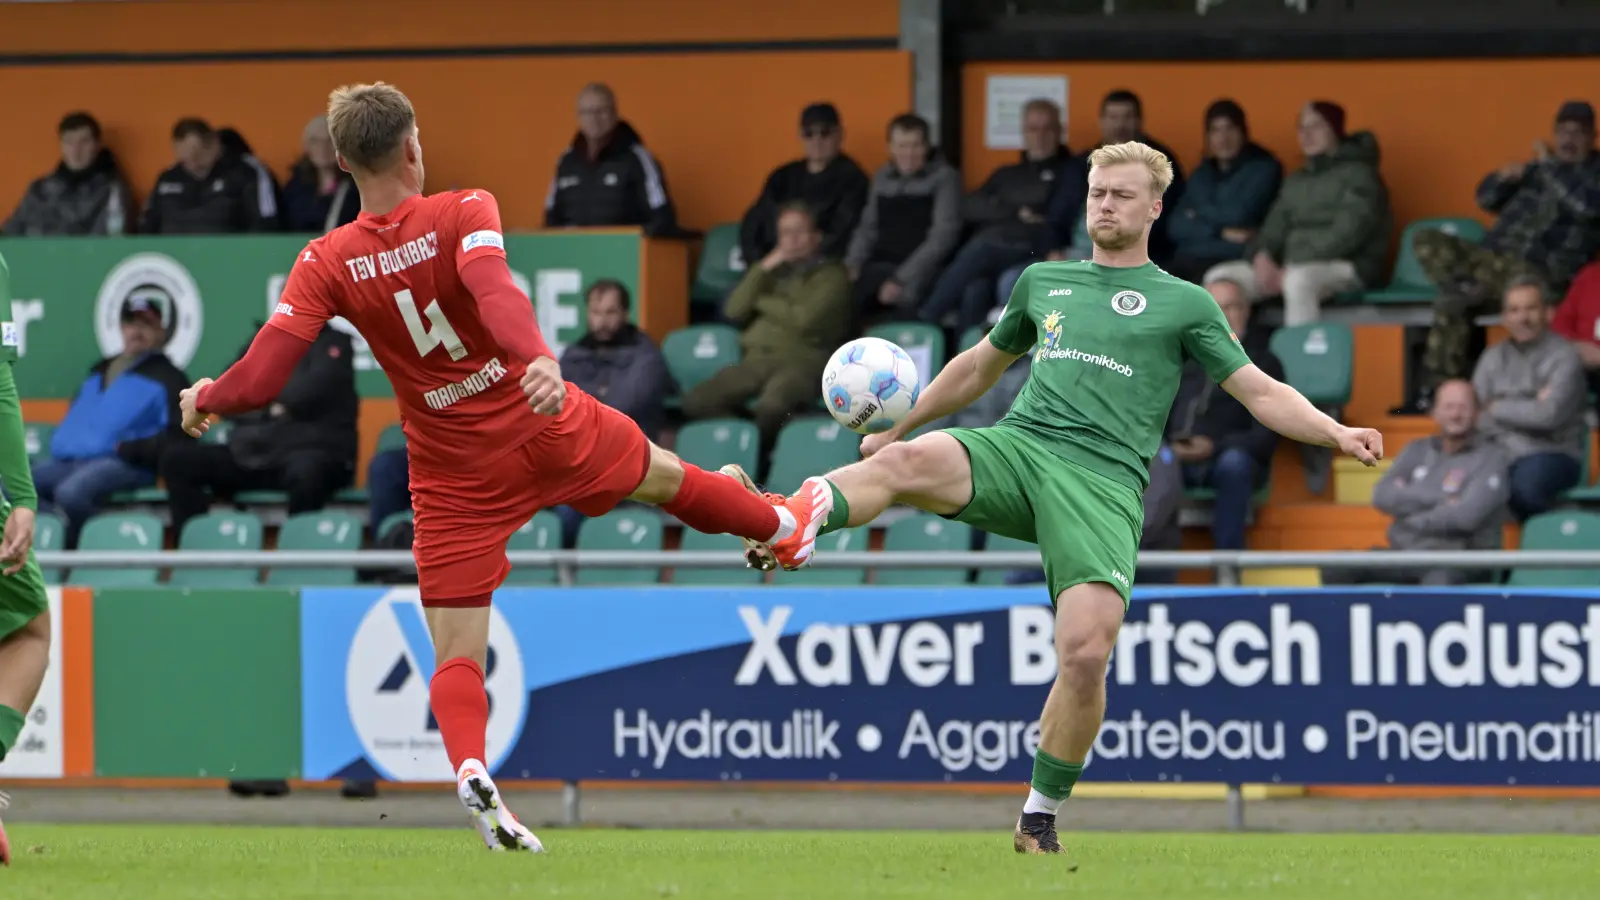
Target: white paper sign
1006,95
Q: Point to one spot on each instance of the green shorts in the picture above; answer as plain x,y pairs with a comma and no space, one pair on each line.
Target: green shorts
1086,525
22,596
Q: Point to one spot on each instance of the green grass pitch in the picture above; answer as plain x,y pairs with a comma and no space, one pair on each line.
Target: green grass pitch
188,863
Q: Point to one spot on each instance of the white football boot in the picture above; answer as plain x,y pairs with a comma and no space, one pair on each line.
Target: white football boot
499,828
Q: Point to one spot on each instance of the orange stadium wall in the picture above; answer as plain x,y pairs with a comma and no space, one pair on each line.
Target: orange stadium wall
714,86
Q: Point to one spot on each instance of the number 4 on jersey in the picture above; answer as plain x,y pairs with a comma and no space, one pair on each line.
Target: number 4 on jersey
435,333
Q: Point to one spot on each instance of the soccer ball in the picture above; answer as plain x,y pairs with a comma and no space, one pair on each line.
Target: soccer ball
870,384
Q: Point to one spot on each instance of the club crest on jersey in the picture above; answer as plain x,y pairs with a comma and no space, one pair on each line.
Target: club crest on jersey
1051,339
1128,303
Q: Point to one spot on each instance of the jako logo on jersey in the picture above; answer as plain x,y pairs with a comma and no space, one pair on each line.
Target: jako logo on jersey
1121,578
483,239
284,309
1128,303
1060,292
1052,335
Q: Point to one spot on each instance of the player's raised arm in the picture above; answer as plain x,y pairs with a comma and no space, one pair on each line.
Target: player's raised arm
1286,411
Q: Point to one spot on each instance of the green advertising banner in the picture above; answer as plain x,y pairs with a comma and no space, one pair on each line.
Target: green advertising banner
215,292
197,683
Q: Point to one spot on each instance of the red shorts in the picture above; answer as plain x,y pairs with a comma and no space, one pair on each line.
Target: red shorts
589,457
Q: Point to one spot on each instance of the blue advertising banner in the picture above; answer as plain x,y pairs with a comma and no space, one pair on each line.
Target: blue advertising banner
1380,686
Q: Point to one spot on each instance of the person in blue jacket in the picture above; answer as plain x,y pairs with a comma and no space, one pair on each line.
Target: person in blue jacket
102,446
1227,197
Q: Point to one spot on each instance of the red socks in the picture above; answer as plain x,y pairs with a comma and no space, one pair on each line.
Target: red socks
716,504
461,707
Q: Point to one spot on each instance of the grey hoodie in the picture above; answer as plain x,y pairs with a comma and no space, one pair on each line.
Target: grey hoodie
891,224
1533,397
1445,501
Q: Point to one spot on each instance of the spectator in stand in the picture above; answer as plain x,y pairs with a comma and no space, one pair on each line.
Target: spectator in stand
607,178
236,150
617,363
832,185
794,308
388,486
1329,230
304,444
1578,320
1122,120
319,196
1227,197
99,447
1218,442
911,222
86,194
1548,225
1446,492
208,191
1532,389
1009,215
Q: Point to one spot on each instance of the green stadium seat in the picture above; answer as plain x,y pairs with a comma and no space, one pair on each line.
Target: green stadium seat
928,533
217,433
721,265
36,436
220,531
1409,284
131,532
634,530
143,496
261,498
389,522
351,496
49,535
971,337
726,544
713,443
997,544
392,438
1561,530
697,352
1258,499
317,531
845,539
1586,491
542,532
1318,360
807,446
922,342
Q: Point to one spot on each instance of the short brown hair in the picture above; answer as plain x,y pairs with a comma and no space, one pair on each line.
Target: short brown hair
369,122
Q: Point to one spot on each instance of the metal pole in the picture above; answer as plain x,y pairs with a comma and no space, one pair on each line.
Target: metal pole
571,815
1235,808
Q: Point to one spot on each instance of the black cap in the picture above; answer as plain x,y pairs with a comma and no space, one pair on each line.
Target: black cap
824,114
1579,111
144,302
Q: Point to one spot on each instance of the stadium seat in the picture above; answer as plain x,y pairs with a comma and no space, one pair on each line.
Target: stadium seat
36,435
922,342
997,544
696,353
49,535
221,531
726,544
392,438
851,539
389,522
542,532
971,337
317,531
1408,284
217,433
721,265
352,496
1586,492
145,496
634,530
261,498
807,446
1318,360
131,532
928,533
1562,530
713,443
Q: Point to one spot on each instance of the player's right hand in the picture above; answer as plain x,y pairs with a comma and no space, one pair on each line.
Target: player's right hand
18,540
195,422
543,386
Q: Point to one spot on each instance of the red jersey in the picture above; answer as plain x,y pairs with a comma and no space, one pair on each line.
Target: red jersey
397,279
1578,317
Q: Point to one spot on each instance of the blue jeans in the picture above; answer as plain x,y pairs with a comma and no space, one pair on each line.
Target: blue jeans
966,286
1538,481
1232,474
77,487
388,485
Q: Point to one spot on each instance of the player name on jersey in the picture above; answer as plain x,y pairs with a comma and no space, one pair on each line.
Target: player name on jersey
388,262
481,381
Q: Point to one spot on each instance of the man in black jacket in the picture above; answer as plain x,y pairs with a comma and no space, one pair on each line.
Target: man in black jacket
607,178
208,190
303,444
832,185
1220,445
618,364
86,193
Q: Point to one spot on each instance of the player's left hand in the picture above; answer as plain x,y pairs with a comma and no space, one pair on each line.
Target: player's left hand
1365,444
18,540
195,422
543,386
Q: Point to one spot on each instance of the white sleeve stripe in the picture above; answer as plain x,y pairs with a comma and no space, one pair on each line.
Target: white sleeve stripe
654,191
550,196
266,192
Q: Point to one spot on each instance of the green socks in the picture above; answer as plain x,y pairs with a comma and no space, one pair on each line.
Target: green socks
11,723
1053,780
840,517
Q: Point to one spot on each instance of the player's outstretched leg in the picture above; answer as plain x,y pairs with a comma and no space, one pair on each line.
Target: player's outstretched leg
931,473
1088,617
24,656
722,502
461,707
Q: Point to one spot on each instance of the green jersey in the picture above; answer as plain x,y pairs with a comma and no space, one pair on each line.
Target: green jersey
15,475
1109,345
8,328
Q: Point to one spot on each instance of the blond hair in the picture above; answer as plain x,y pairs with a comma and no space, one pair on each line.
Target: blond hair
369,123
1154,160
